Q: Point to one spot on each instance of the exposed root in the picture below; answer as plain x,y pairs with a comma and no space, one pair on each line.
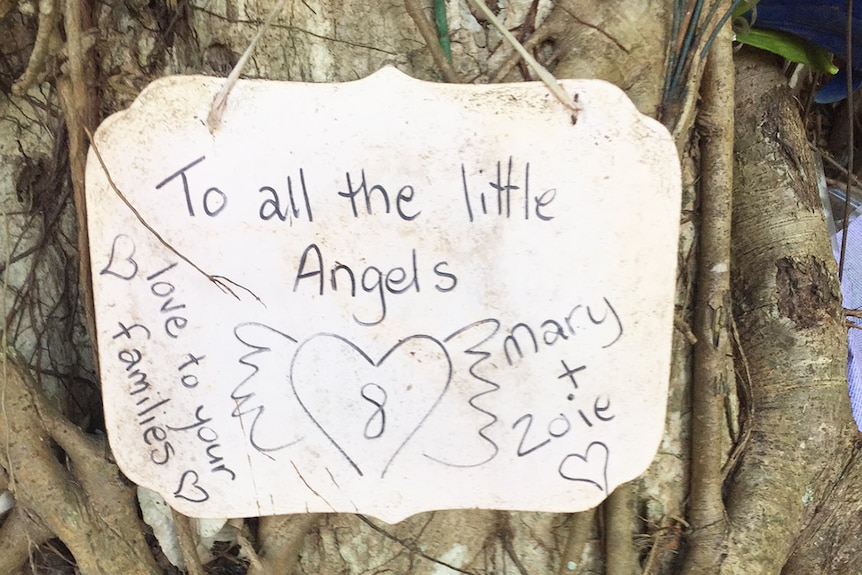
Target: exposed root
579,531
281,537
544,75
620,555
666,542
554,25
84,501
413,547
429,34
188,546
79,111
713,369
47,42
19,535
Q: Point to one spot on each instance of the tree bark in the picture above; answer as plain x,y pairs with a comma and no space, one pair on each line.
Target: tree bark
791,328
85,502
713,358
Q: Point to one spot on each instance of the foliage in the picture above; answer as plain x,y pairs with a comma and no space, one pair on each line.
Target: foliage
806,31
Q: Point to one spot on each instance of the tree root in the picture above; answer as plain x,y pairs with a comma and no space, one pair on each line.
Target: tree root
620,555
429,34
47,42
280,539
84,501
713,367
188,546
579,531
554,25
787,310
665,544
19,535
79,111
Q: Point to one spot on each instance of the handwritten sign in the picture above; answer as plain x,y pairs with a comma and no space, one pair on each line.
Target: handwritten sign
384,296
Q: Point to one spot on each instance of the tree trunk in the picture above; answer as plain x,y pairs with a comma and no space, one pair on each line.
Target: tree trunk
792,341
776,459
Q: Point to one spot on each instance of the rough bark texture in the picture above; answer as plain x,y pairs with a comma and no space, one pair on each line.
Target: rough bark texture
831,542
282,539
787,307
83,500
713,358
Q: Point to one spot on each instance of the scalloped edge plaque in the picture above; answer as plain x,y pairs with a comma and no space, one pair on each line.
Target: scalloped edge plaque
384,296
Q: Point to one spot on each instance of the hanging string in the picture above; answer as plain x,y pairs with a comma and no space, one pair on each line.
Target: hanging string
220,101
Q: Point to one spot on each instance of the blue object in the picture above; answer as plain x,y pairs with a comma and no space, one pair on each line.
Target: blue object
836,89
821,22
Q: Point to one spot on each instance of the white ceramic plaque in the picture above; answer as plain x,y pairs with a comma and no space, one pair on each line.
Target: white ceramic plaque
420,296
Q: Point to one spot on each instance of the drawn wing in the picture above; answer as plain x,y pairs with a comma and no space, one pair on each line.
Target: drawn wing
268,409
472,390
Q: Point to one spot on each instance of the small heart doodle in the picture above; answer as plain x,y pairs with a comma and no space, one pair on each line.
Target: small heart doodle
592,470
121,264
369,409
189,489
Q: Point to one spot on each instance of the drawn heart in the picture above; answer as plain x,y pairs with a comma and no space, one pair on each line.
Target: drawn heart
121,264
369,409
189,489
593,470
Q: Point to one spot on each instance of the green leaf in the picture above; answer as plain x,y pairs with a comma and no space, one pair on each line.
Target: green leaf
790,47
743,7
